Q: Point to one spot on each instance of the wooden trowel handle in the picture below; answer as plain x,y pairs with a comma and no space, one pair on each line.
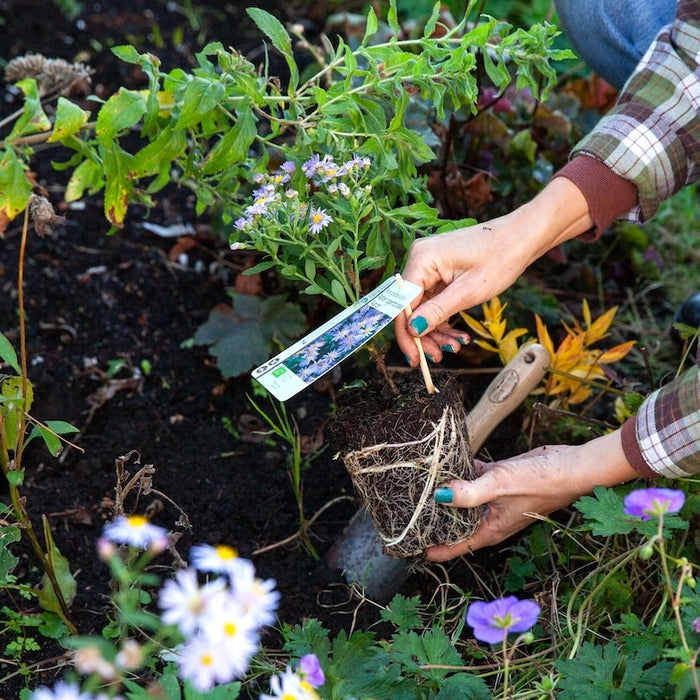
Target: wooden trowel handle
507,391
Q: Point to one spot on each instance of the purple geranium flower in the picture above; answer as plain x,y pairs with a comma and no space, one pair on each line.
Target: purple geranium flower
310,669
653,502
493,621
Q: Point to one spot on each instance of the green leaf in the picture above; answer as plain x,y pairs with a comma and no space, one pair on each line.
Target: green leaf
371,26
89,175
61,570
602,672
15,188
272,28
403,612
8,354
121,111
200,97
234,144
49,433
159,154
246,334
119,188
8,561
33,119
69,120
11,408
603,513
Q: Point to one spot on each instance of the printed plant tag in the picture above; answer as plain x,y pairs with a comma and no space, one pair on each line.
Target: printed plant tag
318,352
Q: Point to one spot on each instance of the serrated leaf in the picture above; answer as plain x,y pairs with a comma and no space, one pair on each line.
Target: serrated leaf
603,513
403,613
272,28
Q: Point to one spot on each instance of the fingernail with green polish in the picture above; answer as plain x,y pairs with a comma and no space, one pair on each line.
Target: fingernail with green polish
444,495
448,348
408,360
419,324
429,356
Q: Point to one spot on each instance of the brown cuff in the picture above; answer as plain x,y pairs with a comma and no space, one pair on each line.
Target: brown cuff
608,195
632,451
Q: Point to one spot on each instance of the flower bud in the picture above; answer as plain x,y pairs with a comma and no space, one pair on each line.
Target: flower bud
646,552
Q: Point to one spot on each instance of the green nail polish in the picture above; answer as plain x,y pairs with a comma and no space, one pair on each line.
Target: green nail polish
419,324
429,356
408,360
448,348
444,495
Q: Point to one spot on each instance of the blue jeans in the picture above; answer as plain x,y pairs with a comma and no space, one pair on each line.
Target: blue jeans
611,36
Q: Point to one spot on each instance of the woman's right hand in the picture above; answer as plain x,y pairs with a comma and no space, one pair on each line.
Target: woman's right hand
468,266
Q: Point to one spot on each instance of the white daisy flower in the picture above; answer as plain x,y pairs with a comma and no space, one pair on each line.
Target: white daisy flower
290,686
235,631
203,661
135,530
60,691
219,559
318,220
258,598
187,604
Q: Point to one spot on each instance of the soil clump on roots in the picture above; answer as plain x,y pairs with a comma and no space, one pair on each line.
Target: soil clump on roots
397,450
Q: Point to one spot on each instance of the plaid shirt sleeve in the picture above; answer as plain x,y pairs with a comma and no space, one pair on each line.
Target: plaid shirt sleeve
652,135
663,439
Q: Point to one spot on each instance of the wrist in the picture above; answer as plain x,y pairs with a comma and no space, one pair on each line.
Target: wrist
601,462
558,213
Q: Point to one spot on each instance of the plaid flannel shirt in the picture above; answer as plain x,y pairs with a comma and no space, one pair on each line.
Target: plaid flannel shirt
652,135
652,139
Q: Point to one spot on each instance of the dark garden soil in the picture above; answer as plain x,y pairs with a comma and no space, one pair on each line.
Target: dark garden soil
94,298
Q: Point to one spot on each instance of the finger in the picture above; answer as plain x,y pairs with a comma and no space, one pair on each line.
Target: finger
467,494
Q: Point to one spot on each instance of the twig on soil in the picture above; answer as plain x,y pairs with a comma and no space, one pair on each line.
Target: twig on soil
300,532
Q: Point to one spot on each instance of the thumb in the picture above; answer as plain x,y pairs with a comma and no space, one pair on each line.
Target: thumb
434,311
467,494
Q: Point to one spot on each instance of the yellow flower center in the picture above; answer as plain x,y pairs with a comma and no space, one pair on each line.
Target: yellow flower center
137,520
207,660
225,552
230,629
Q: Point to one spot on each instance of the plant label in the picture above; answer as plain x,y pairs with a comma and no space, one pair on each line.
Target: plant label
321,350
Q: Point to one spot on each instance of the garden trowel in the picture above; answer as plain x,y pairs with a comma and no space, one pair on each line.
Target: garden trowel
359,550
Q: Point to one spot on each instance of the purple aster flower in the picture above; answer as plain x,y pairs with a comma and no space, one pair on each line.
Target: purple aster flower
318,220
653,502
243,223
289,166
493,621
310,669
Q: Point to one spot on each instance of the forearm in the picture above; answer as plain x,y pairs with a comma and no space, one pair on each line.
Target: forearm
599,462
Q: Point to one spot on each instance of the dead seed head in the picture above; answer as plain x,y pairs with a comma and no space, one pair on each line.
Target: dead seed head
53,75
43,215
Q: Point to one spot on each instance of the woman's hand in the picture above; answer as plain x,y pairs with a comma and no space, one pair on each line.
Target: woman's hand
538,482
463,268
